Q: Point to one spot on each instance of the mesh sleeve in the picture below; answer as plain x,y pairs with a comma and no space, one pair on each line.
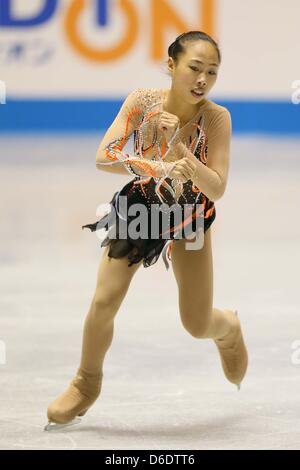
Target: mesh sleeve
128,120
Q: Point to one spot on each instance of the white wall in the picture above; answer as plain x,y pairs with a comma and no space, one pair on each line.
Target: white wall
259,41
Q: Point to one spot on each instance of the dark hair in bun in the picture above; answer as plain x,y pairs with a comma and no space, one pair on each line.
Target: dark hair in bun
177,47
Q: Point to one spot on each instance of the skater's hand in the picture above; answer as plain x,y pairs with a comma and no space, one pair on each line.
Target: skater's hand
168,124
184,169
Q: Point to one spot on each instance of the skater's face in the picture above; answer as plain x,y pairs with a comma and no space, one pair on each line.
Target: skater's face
197,67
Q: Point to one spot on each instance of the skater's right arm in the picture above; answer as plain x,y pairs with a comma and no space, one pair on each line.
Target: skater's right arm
110,155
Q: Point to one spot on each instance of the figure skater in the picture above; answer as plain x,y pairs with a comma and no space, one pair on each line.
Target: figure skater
181,155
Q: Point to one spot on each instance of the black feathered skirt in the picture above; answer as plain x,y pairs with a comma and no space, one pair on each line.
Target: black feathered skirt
142,244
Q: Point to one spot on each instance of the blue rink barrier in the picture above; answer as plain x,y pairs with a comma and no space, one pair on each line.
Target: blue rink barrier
90,115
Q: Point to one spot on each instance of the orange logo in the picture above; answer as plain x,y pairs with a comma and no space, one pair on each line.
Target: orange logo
162,17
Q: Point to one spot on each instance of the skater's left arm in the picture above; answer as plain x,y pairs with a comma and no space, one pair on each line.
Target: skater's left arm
211,178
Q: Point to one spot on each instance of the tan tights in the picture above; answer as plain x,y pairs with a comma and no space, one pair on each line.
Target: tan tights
193,272
113,280
194,275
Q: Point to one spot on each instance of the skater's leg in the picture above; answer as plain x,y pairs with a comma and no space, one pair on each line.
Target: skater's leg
193,270
114,277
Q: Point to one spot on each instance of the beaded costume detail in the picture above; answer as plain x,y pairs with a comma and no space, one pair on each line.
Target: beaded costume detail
151,164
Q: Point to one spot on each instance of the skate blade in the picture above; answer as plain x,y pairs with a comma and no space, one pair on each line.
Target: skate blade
52,427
